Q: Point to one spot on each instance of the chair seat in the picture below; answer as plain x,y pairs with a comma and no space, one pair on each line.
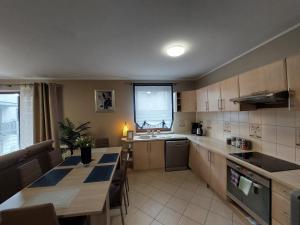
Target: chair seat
78,220
117,176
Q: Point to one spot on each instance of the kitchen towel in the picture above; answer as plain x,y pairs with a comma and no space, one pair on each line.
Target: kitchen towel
234,177
245,185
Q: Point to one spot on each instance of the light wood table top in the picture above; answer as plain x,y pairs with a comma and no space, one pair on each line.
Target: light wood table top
70,196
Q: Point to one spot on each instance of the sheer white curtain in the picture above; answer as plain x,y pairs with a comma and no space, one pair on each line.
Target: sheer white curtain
153,105
26,115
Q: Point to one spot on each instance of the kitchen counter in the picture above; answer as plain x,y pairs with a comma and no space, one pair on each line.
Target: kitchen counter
290,178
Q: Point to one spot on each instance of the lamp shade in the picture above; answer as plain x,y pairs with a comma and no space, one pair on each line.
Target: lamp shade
125,129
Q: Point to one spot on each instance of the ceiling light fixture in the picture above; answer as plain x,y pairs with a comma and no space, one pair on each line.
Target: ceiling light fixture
175,50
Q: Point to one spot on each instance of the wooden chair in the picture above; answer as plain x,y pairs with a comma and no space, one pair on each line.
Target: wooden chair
116,195
102,143
32,215
29,172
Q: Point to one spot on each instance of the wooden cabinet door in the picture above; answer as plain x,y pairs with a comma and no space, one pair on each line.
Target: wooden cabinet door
202,101
229,90
204,164
188,101
293,76
218,169
271,77
214,97
193,156
157,154
141,155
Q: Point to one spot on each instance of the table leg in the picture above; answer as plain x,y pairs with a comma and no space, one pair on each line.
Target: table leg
102,218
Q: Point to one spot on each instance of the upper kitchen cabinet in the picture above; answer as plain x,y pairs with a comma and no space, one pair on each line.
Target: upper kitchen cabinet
202,100
188,101
293,74
229,90
214,97
270,78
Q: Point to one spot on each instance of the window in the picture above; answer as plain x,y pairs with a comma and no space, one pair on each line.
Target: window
153,106
9,122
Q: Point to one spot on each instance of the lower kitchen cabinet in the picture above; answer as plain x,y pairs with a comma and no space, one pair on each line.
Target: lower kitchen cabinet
148,155
280,204
210,167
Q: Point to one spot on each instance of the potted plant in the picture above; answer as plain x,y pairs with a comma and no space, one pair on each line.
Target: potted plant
69,133
85,143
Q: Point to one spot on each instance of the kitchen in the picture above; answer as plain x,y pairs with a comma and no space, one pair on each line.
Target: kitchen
150,113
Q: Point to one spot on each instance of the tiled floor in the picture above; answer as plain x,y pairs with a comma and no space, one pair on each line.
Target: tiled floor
173,198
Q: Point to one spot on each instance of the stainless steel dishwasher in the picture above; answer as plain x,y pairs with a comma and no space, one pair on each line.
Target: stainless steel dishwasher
176,154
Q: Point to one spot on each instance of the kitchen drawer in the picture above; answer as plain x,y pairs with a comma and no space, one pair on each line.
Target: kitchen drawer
275,222
280,209
282,190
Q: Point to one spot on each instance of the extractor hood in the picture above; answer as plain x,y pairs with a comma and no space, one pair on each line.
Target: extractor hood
264,99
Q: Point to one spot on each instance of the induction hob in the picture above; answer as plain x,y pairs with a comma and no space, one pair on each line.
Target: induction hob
266,162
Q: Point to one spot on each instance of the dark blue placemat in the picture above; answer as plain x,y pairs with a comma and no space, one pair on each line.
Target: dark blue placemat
108,158
51,178
71,161
100,173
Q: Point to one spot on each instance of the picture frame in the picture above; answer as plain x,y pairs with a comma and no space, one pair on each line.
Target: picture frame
130,135
104,100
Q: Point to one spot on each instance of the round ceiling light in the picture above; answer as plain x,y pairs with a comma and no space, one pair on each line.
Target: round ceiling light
175,50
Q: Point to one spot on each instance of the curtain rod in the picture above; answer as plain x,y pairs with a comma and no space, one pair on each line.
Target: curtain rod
26,84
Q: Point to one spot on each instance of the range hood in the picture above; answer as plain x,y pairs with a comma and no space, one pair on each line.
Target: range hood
264,99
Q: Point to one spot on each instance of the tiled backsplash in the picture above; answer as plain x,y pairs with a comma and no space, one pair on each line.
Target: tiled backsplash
272,131
183,121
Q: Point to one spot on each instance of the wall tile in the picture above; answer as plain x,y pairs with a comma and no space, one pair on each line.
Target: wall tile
268,148
220,116
244,117
286,136
286,153
298,119
255,117
244,130
269,133
256,144
227,116
235,129
286,118
234,117
268,117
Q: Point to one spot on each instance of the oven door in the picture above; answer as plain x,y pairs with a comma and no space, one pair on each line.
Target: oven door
258,202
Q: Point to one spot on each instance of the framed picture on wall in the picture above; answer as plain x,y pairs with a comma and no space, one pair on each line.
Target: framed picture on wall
104,100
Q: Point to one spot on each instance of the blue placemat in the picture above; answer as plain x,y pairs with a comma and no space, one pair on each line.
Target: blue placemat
108,158
71,161
100,173
51,178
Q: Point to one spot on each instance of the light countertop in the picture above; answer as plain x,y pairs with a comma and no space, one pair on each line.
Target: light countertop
290,178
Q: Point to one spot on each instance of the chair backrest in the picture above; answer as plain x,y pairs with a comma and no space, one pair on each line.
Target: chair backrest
33,215
29,172
55,158
102,143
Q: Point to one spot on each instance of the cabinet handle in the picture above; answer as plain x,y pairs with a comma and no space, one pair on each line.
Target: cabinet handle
206,103
222,104
219,104
208,156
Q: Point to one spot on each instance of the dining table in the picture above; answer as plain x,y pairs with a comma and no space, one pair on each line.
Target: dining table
73,188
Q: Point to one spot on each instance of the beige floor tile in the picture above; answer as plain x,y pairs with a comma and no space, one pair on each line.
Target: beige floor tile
177,204
186,221
137,199
152,208
155,222
202,201
203,190
168,217
139,218
214,219
161,196
196,213
220,208
190,186
148,190
116,220
237,220
169,188
157,183
183,194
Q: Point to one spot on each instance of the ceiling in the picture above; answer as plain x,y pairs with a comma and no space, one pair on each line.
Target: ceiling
118,39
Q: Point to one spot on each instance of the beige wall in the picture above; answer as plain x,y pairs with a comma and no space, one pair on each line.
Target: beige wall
279,48
78,102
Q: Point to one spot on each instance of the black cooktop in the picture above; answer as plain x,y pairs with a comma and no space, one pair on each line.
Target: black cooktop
266,162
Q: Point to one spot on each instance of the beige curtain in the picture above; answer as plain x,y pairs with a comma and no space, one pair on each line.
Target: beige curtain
47,112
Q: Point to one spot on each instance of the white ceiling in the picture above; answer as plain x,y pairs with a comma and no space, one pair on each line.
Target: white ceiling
123,39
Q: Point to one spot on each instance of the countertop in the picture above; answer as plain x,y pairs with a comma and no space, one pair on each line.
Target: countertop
290,178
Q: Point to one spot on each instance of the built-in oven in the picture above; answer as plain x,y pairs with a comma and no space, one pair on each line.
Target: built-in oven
253,195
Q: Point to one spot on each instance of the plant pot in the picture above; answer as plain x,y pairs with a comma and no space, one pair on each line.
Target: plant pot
86,155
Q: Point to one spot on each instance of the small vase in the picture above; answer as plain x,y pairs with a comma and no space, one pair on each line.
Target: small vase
86,155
